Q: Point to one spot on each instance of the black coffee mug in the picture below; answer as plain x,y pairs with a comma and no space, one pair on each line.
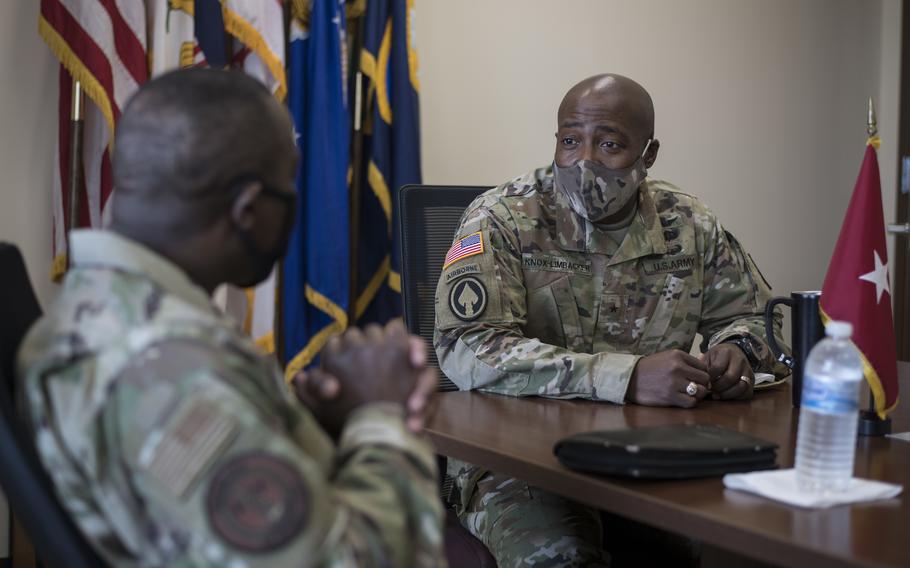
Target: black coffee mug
806,330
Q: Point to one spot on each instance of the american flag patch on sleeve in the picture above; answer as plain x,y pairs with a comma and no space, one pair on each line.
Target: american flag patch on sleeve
464,247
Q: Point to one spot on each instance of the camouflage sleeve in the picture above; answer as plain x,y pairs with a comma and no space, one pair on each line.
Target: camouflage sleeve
735,294
223,481
481,311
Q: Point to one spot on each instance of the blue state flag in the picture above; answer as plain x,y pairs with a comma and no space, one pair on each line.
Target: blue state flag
391,153
315,275
208,24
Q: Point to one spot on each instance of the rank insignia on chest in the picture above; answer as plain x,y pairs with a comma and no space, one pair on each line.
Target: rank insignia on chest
464,247
468,298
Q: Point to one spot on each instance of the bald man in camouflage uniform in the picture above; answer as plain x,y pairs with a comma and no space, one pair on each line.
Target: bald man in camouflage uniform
168,437
586,279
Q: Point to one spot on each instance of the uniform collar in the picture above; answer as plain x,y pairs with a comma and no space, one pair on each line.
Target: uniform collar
105,249
645,235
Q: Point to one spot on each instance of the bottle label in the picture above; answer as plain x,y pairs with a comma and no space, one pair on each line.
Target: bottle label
829,397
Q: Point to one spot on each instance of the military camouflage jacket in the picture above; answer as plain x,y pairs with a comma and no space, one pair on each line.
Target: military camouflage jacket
535,300
172,442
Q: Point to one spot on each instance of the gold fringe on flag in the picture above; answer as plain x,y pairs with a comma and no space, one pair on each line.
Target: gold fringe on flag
246,33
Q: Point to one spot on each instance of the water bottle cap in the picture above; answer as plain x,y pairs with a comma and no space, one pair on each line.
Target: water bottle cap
839,329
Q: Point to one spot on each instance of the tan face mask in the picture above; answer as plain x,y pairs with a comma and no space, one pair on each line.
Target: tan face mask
595,191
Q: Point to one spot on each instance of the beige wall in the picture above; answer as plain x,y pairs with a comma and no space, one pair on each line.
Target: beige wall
760,107
888,102
28,107
28,118
760,104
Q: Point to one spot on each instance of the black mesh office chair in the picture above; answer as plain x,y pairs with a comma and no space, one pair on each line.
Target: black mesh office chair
428,216
56,539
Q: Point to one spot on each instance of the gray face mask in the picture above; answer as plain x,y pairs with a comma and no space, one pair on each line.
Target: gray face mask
596,192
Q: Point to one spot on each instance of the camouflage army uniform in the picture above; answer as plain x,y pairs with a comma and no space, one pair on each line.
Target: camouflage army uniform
172,442
549,305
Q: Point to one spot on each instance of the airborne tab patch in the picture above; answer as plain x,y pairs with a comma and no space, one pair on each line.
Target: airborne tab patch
464,247
462,270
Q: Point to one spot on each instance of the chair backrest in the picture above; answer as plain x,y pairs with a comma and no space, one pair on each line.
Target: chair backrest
27,487
19,309
428,217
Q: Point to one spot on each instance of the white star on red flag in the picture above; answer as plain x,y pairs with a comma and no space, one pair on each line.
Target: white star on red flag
846,293
879,277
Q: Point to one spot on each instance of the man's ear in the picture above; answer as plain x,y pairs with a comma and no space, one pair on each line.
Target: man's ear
651,154
243,210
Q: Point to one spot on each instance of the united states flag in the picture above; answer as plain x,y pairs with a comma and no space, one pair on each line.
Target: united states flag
464,247
112,47
101,43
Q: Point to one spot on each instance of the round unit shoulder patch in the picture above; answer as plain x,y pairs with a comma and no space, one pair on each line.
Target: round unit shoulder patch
257,502
468,298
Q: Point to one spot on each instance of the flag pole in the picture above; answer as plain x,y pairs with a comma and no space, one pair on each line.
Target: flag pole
357,170
278,320
75,159
870,424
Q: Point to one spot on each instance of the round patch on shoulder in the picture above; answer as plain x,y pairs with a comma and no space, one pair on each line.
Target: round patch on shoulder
257,502
468,298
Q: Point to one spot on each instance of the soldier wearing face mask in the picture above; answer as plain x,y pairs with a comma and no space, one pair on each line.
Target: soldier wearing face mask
588,279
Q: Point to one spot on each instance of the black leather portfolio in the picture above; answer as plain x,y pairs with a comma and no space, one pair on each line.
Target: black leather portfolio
666,452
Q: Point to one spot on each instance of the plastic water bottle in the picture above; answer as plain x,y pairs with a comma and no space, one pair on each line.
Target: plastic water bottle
826,440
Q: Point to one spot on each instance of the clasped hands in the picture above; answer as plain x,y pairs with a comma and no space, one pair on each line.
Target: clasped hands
375,364
663,379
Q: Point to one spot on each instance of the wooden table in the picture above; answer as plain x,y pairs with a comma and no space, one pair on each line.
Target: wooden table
516,437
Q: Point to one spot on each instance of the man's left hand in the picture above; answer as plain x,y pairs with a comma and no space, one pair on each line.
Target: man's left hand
730,372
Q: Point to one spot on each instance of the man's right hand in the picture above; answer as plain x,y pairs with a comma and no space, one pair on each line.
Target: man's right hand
661,380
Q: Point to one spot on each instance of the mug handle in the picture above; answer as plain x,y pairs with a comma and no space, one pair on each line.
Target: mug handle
769,330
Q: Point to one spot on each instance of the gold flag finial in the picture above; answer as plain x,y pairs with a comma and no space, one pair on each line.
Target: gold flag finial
871,126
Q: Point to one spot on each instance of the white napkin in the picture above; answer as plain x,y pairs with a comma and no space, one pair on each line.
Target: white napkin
780,485
762,378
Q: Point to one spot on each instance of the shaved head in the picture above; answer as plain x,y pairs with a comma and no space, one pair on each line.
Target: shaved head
606,118
204,166
605,122
186,135
613,92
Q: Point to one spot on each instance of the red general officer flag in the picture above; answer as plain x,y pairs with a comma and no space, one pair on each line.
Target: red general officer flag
857,288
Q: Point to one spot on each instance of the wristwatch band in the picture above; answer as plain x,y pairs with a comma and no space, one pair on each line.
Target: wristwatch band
745,345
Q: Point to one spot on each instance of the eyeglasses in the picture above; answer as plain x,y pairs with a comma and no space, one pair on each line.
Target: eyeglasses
241,181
